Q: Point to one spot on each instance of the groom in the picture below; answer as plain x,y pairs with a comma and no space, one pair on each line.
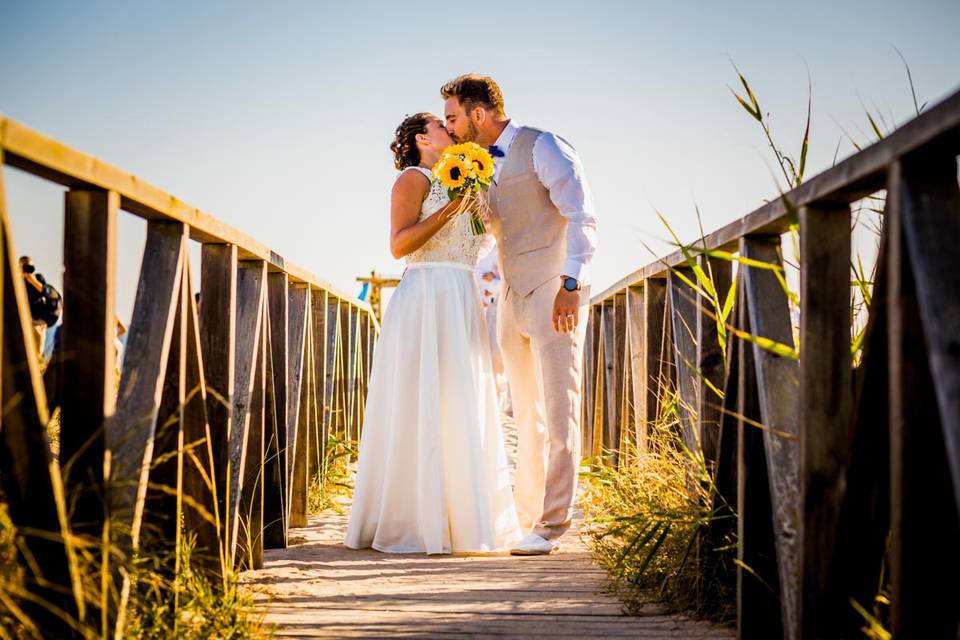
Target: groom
545,227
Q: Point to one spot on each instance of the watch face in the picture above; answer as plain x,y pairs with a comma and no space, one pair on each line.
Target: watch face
570,284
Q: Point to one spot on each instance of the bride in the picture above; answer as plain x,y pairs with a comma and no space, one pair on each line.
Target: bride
432,474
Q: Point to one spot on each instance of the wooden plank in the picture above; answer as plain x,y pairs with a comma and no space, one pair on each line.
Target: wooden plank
684,312
930,222
920,471
628,434
202,504
588,384
666,365
654,310
363,327
330,416
611,396
825,395
318,436
342,416
275,437
599,405
348,369
639,379
864,522
854,178
778,384
130,432
719,569
299,403
711,360
163,498
250,538
218,335
758,586
47,158
31,481
250,295
89,368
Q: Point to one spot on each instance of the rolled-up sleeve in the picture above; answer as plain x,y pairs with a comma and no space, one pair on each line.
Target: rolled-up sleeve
559,169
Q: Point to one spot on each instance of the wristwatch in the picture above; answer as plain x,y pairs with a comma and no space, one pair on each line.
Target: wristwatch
570,284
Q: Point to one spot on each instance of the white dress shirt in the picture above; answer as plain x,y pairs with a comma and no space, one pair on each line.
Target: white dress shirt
558,168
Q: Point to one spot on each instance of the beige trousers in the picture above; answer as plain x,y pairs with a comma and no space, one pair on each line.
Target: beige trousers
544,371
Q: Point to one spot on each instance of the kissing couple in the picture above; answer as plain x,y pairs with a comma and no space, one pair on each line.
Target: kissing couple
432,472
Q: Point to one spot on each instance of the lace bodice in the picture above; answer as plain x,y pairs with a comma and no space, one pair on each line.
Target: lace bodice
455,241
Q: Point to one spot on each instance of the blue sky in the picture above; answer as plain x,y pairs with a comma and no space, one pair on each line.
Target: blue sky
276,117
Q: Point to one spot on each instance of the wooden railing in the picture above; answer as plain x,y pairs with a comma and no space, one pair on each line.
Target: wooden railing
821,459
223,409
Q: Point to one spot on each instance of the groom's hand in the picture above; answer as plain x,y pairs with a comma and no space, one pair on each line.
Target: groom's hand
566,311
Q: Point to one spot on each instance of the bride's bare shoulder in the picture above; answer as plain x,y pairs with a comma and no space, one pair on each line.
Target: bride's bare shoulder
411,182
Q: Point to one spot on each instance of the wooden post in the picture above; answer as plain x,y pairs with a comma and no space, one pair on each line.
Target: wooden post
246,437
88,355
163,504
920,474
201,513
654,307
638,375
299,402
759,614
611,366
275,436
683,305
625,433
588,384
318,436
218,326
131,431
930,223
778,384
864,520
825,395
331,418
343,422
31,483
710,357
251,527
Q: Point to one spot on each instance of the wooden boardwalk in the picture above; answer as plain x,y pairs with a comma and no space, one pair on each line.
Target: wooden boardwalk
317,588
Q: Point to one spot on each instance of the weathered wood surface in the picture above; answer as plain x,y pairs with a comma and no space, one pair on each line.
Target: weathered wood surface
856,177
319,588
920,474
777,385
825,395
47,158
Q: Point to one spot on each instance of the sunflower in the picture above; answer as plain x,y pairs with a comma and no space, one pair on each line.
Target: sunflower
482,162
451,171
463,149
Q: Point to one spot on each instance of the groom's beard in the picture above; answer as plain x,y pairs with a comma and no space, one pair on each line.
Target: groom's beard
471,133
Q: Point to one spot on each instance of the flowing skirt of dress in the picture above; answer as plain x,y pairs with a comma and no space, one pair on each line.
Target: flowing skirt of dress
432,469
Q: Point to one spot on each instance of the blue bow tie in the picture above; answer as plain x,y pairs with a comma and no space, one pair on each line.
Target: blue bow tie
495,151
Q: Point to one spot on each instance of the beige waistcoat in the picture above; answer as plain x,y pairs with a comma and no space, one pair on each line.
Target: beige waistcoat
531,232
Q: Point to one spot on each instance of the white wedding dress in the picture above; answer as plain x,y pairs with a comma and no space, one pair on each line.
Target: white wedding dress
432,469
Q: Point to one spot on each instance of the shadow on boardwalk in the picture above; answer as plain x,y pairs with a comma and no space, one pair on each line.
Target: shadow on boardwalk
319,588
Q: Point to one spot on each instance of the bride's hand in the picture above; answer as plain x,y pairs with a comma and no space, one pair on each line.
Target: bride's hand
450,211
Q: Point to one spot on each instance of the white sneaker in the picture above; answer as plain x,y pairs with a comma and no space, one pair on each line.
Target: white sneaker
533,545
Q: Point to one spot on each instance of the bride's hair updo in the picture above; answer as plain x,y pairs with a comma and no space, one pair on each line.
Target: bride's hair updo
404,145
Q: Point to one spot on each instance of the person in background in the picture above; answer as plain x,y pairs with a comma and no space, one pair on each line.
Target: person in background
488,271
45,303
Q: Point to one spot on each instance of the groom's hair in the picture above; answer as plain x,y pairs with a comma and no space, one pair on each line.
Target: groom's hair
474,90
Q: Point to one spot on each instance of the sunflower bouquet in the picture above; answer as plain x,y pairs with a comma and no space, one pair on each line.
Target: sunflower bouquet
466,170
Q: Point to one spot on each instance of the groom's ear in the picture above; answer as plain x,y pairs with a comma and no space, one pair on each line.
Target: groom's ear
479,114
